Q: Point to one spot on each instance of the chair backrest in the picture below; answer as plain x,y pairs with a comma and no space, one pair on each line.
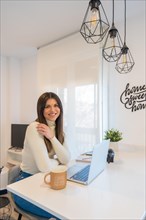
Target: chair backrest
13,174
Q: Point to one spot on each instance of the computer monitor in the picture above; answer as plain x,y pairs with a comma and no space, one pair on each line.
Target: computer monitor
18,135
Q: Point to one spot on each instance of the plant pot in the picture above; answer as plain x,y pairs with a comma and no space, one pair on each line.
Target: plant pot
114,146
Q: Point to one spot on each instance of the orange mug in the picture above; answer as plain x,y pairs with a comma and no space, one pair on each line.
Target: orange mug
58,177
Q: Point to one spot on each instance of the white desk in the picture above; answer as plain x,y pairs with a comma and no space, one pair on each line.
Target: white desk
118,193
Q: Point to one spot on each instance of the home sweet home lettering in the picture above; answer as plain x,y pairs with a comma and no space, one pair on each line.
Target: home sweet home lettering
134,98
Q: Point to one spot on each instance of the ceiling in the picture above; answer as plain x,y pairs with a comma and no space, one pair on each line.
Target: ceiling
29,24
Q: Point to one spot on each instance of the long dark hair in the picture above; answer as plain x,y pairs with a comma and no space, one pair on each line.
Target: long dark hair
59,121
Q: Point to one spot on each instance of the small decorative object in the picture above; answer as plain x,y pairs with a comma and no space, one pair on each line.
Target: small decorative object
110,156
115,136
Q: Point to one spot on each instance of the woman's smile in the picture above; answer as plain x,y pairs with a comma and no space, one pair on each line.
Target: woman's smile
51,110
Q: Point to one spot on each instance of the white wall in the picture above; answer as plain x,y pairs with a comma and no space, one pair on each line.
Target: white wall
4,110
29,89
18,97
10,99
20,89
132,124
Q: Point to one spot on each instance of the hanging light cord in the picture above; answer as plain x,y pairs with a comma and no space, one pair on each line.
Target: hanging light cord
125,24
113,14
104,12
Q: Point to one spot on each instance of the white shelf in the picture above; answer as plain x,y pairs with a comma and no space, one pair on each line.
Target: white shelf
15,151
13,162
14,156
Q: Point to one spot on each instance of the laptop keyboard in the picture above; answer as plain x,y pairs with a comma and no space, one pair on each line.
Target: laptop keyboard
82,175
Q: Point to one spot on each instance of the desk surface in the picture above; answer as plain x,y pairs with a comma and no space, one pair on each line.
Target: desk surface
117,193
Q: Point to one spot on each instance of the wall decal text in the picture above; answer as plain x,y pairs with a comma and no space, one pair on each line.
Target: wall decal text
134,98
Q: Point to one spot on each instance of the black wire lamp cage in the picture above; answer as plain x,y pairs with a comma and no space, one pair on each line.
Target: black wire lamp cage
113,44
95,23
126,62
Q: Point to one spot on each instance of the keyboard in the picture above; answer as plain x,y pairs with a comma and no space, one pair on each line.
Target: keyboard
82,175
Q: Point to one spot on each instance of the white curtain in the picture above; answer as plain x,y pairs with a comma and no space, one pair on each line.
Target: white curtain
71,68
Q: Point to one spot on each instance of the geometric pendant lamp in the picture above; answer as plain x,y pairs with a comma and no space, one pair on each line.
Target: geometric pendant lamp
95,23
113,44
126,62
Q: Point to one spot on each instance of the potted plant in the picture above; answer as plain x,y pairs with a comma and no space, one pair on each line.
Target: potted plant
114,136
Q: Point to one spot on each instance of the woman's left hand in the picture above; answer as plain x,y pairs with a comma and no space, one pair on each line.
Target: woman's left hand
45,131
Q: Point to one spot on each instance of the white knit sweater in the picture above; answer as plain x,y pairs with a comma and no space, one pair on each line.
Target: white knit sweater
35,157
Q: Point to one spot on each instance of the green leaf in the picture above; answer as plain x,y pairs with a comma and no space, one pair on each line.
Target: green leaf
113,134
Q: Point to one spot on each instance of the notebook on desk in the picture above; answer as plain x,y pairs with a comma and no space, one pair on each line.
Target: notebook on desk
84,173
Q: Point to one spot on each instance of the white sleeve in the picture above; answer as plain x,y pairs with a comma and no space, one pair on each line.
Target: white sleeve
61,151
38,148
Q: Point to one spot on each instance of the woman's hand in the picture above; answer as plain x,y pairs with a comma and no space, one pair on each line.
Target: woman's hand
45,131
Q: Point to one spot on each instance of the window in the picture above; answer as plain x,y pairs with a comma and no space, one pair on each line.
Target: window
72,69
80,116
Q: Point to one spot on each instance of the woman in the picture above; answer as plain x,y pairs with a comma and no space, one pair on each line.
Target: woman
44,145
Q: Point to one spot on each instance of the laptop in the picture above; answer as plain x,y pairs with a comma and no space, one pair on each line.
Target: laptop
85,173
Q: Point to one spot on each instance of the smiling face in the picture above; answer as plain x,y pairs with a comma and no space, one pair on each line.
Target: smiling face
51,110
